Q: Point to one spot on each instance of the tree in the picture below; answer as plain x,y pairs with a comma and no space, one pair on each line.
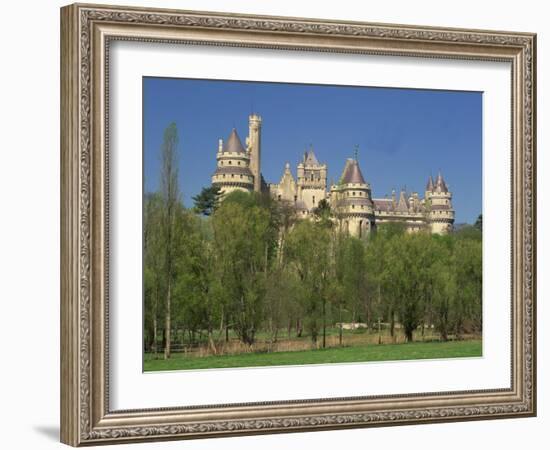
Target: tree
197,287
323,213
479,222
245,241
207,200
409,262
153,260
381,274
349,278
307,250
468,271
170,199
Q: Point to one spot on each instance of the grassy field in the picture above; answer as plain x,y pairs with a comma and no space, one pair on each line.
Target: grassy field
385,352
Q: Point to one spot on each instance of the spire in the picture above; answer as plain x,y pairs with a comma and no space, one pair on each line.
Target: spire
430,185
233,143
309,157
402,205
440,184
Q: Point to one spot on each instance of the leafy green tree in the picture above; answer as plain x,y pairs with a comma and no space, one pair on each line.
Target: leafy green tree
408,263
244,242
307,251
323,213
207,200
381,274
468,271
170,200
153,260
479,222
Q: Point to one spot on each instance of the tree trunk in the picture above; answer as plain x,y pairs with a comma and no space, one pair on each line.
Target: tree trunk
211,342
324,325
299,328
408,335
392,325
155,334
168,322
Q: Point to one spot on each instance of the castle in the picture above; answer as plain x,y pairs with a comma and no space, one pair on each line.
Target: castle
357,212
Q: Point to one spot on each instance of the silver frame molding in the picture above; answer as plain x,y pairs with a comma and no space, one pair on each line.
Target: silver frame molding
86,32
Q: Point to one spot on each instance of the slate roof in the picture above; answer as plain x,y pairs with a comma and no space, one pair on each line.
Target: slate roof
352,173
233,143
234,169
383,204
440,185
310,159
430,185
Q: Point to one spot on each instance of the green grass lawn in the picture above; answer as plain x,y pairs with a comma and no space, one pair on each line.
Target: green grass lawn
386,352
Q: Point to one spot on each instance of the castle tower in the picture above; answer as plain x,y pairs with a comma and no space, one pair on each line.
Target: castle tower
312,180
233,166
352,201
441,214
255,148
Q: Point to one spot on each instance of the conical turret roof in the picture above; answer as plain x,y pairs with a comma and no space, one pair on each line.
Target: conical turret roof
440,184
430,184
352,173
233,143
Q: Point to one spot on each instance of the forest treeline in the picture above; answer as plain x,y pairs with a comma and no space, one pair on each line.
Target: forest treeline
246,265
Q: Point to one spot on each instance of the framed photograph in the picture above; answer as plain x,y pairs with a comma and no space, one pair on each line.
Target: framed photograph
276,224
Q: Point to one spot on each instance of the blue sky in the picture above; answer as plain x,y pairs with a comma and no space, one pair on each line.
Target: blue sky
404,135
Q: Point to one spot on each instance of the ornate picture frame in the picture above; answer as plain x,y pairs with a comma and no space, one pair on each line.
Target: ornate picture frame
87,32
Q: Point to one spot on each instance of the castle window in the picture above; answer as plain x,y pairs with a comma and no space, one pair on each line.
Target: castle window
352,206
295,198
353,192
232,176
311,177
314,199
279,197
221,163
229,162
241,177
239,163
224,175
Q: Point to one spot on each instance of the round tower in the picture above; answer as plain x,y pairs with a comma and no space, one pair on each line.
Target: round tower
233,166
352,201
440,209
